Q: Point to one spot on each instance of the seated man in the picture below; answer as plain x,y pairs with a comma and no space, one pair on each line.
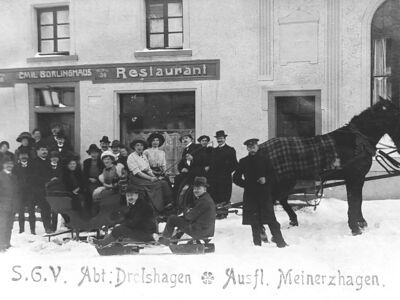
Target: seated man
139,223
198,222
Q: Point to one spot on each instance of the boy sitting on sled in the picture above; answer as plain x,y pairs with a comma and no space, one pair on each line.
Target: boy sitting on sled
139,223
198,222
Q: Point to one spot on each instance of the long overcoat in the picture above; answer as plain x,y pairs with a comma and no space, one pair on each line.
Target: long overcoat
257,201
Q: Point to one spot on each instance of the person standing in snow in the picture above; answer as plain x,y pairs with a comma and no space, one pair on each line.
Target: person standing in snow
258,208
9,200
223,163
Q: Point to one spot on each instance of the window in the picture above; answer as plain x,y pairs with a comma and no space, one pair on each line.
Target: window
53,30
385,52
55,97
164,24
170,113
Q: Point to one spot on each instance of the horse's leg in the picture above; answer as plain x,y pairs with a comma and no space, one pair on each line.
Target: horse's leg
289,210
361,221
354,199
283,195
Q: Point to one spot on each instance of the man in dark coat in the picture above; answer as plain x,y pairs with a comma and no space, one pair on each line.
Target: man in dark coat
199,221
188,166
9,200
41,173
22,171
63,148
57,140
223,163
139,223
258,208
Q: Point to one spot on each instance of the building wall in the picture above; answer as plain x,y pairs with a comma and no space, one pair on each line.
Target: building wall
106,32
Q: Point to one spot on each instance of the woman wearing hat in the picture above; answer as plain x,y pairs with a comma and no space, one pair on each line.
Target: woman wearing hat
204,155
143,177
112,177
93,167
27,142
154,155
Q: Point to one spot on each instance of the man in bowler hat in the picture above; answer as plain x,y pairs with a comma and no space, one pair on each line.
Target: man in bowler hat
223,163
258,208
105,144
199,221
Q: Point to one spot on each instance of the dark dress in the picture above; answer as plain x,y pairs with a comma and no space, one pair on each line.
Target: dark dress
139,223
88,172
9,200
223,163
73,180
204,160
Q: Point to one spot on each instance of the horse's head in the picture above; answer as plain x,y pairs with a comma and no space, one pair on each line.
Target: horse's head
381,118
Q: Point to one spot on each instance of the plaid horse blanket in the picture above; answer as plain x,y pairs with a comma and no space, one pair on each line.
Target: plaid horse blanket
300,158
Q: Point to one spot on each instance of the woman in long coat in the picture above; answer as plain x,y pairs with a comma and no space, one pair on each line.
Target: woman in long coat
258,208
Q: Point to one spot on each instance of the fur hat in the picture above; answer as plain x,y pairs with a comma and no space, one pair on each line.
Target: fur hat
25,135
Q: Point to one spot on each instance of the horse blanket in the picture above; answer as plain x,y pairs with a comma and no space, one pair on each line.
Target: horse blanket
300,158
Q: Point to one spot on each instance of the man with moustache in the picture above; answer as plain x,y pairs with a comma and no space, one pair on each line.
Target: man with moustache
223,163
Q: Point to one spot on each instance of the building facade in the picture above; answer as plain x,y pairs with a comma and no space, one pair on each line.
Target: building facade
255,68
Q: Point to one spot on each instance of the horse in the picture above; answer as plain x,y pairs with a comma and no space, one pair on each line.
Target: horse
343,154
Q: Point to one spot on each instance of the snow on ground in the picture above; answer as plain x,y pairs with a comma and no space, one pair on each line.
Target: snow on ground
323,261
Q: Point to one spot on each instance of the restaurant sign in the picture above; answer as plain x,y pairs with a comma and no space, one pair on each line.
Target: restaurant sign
137,72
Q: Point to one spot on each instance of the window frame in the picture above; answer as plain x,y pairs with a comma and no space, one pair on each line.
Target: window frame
55,24
165,18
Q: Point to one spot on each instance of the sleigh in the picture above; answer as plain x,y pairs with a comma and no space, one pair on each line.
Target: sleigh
105,214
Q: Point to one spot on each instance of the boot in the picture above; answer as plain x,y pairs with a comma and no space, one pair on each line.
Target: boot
32,225
256,231
277,237
21,226
108,239
263,235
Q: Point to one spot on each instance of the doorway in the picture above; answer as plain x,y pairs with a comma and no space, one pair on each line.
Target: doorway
294,113
56,104
169,113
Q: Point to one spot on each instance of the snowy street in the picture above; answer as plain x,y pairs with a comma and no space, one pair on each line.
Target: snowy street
322,261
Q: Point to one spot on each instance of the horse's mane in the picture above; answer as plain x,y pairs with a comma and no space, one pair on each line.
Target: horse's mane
372,117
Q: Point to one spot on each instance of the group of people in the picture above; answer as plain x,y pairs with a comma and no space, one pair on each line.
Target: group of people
140,178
